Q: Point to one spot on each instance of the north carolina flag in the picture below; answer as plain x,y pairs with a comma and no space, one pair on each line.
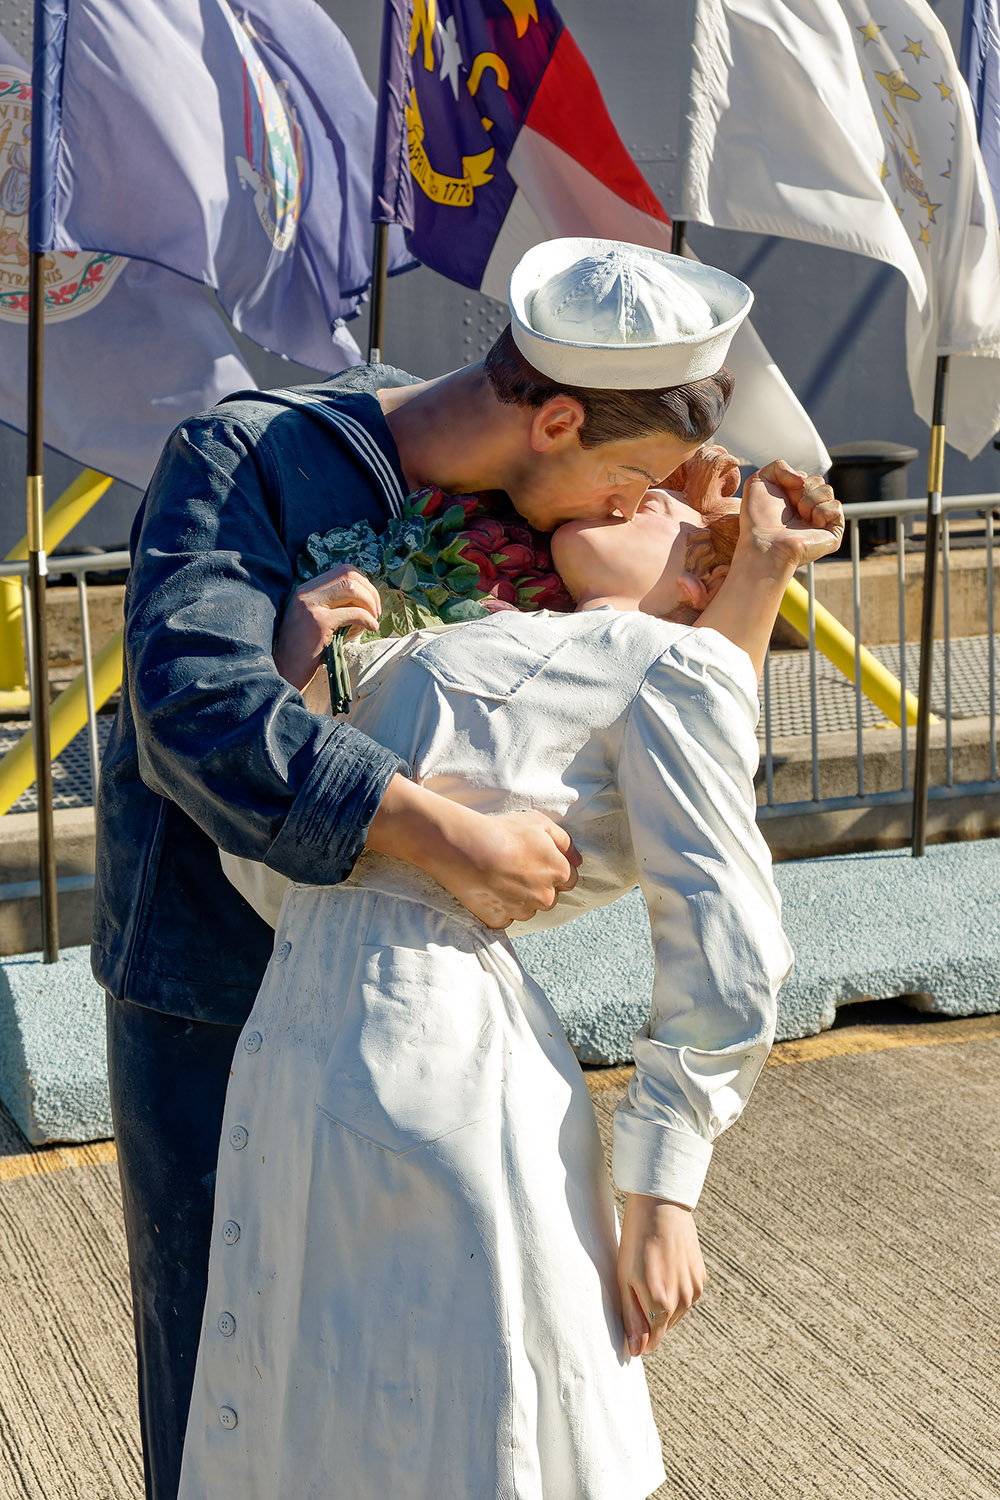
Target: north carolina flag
493,136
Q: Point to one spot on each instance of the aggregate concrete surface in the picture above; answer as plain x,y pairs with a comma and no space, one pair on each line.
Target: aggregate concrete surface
878,924
53,1071
845,1347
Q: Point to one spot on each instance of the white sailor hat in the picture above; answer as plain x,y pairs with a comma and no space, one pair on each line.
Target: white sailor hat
607,315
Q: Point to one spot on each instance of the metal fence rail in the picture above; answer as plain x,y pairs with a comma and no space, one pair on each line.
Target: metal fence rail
78,566
902,659
814,677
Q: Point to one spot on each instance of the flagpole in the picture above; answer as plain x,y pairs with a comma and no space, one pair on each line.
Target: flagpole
37,570
376,321
678,236
935,484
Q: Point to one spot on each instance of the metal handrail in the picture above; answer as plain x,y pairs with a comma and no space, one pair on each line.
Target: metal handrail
84,562
871,510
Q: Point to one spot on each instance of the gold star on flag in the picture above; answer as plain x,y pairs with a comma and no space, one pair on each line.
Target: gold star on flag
523,11
915,48
943,89
870,32
948,173
883,171
925,234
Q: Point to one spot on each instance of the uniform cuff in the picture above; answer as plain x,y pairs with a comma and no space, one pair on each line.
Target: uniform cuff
654,1159
327,825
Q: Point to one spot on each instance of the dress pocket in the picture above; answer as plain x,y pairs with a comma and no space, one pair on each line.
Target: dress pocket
410,1058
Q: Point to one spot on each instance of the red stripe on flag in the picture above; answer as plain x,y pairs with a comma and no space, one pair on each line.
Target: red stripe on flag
569,110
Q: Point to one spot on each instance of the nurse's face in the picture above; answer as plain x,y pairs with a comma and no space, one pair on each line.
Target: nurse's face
637,563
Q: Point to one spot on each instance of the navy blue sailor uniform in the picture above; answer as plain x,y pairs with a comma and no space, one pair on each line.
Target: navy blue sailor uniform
212,749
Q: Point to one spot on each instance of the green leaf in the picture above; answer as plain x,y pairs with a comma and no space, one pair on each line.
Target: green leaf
465,576
462,609
453,518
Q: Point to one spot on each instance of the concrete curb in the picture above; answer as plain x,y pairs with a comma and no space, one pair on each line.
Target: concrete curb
53,1069
873,925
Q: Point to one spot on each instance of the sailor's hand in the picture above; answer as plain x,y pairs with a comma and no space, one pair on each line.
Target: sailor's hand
791,514
506,868
661,1273
502,869
315,611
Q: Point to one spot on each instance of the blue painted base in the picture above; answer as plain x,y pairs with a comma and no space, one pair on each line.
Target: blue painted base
878,925
53,1073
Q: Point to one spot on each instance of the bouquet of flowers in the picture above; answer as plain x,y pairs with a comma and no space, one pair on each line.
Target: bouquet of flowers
447,558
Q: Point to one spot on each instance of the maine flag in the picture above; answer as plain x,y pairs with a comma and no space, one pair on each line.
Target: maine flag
493,136
832,123
131,349
230,143
980,60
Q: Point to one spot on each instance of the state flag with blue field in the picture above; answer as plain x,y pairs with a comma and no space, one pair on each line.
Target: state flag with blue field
499,139
131,348
980,63
231,144
493,136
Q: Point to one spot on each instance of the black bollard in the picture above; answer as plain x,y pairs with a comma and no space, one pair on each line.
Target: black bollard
867,473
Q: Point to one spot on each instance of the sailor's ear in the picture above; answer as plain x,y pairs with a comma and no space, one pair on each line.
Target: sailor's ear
556,420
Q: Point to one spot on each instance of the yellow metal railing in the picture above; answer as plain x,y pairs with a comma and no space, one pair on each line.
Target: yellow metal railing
60,518
838,646
67,717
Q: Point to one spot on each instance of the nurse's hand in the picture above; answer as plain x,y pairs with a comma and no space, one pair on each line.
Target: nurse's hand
661,1273
789,513
502,869
315,611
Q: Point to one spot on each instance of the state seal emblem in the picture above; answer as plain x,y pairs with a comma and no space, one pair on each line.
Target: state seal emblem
273,166
75,280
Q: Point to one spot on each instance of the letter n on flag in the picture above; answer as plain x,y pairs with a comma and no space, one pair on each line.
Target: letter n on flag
493,135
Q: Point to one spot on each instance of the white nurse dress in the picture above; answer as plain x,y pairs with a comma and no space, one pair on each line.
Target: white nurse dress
412,1291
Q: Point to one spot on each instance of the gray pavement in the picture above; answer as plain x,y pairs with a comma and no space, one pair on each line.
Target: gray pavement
845,1347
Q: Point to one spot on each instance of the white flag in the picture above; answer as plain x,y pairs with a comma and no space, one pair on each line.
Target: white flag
813,120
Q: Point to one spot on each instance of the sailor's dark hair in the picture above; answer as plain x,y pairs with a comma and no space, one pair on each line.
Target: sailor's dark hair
690,412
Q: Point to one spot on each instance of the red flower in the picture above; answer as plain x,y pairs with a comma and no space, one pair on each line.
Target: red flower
469,503
484,533
426,502
487,572
504,592
522,535
543,591
513,559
